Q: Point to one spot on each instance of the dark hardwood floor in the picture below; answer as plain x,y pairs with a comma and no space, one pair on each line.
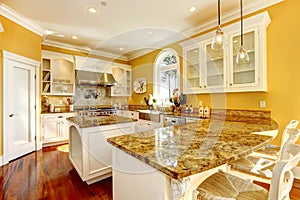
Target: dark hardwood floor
48,174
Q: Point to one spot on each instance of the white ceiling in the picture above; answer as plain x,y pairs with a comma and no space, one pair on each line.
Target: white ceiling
121,23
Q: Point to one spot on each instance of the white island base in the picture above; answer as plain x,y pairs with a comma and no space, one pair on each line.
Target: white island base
135,180
89,152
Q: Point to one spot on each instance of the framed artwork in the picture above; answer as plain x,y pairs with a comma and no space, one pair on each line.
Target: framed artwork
139,85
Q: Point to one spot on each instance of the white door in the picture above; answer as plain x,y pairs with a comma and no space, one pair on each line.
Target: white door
19,109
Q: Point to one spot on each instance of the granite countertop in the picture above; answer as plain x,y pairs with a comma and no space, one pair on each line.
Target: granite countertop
183,150
87,121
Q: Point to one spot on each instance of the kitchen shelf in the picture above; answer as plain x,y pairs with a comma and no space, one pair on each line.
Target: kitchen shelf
58,74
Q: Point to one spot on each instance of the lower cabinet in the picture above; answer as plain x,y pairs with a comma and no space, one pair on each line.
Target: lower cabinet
89,151
55,128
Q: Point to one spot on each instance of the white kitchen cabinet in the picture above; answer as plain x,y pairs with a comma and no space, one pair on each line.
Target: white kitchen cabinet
89,151
55,127
248,75
122,74
127,113
214,67
210,71
193,81
92,64
58,74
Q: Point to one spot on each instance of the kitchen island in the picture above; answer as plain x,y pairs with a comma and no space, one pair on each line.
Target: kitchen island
168,163
89,152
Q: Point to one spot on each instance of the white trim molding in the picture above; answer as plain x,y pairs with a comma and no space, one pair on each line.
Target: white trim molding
226,17
20,19
296,172
83,49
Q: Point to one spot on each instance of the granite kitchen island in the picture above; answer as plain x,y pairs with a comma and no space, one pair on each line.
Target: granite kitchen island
168,163
89,152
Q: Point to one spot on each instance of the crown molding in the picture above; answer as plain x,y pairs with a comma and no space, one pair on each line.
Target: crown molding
21,20
226,17
83,49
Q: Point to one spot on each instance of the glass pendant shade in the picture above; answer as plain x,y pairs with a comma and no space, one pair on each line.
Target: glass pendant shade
242,57
218,40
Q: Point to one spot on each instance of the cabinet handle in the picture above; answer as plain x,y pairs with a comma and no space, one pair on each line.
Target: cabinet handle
60,116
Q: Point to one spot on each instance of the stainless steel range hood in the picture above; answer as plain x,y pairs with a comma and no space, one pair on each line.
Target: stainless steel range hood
94,78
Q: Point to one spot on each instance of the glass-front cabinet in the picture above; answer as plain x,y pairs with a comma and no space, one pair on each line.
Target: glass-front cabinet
216,71
246,74
214,67
192,72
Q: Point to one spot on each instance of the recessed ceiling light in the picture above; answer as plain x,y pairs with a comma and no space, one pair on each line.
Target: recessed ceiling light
121,48
192,8
92,10
149,32
74,37
103,3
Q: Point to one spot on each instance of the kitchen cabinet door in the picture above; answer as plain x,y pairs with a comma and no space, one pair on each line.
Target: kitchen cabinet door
248,76
51,130
214,68
191,70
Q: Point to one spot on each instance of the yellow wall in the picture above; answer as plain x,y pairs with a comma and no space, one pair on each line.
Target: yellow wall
21,41
283,51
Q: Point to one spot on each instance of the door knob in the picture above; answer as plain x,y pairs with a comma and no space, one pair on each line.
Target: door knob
11,115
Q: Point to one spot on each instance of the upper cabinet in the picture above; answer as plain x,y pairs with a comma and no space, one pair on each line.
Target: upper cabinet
215,71
58,74
122,74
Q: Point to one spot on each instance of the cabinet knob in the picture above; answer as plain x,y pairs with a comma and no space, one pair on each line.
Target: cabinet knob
230,84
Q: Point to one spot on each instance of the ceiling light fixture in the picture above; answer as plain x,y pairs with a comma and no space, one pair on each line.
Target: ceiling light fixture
218,39
192,8
121,48
103,3
74,37
242,56
92,10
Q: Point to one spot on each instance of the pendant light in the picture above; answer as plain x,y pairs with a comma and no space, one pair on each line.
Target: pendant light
242,56
218,39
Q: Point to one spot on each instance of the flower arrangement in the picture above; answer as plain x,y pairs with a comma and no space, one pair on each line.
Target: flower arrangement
175,99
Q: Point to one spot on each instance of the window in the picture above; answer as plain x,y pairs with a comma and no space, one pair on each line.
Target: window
166,75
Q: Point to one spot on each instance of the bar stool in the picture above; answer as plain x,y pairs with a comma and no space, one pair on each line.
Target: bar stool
225,186
259,167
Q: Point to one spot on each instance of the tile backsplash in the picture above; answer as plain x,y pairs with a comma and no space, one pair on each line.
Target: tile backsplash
89,96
